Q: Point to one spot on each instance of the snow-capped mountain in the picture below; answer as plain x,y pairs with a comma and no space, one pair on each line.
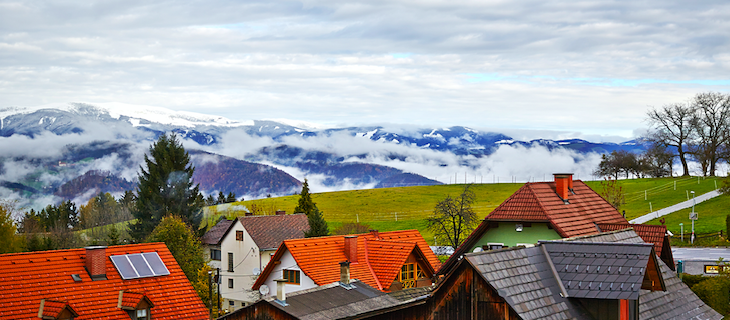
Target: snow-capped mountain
48,146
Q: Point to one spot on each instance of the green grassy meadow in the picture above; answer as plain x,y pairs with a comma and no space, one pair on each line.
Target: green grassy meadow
401,208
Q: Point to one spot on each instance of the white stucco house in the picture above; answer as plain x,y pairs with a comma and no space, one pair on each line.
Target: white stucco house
241,248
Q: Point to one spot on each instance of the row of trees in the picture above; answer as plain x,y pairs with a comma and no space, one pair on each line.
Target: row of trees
656,162
698,128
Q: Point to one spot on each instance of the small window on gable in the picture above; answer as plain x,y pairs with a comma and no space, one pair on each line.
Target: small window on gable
239,235
142,314
291,276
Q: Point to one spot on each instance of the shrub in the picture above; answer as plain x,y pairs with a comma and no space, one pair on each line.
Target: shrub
715,291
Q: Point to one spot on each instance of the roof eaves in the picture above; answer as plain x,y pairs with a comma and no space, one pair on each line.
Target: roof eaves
270,266
460,251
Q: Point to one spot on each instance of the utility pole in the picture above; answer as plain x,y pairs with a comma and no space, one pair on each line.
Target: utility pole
693,217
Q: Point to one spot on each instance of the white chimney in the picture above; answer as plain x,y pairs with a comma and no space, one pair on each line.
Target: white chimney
281,290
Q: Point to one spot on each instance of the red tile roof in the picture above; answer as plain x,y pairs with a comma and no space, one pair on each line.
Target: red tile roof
26,278
649,233
379,258
538,202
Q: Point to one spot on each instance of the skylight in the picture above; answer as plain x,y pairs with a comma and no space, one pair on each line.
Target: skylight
139,265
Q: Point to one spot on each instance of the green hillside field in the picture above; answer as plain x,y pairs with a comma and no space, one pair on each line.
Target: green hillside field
401,208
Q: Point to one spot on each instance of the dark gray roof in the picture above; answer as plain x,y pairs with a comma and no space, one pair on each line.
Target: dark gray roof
216,233
600,270
678,302
268,232
412,293
523,277
334,301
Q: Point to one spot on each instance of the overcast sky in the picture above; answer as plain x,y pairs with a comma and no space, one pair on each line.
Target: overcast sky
592,67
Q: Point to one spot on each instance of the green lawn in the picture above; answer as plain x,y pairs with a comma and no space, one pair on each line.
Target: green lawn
660,192
381,205
406,207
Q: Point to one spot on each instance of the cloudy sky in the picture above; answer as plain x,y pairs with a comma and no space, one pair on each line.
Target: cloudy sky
592,67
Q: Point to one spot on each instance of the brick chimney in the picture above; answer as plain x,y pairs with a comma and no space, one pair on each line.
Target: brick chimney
280,212
96,262
345,273
563,184
351,248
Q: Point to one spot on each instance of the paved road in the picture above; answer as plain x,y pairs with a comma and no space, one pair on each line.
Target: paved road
701,253
676,207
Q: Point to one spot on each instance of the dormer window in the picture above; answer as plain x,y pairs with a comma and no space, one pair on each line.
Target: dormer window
136,304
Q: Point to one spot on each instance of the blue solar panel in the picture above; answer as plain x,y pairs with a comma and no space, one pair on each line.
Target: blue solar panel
140,265
124,267
158,267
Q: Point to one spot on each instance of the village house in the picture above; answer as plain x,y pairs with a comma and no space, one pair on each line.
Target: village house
137,281
578,279
540,211
388,261
242,247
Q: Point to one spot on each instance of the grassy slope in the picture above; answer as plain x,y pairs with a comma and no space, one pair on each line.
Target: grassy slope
378,207
659,192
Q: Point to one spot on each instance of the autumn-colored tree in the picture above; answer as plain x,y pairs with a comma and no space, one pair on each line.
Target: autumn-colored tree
351,228
10,241
612,192
182,243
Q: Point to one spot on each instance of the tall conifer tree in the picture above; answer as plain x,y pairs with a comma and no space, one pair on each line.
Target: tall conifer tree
166,188
317,225
306,205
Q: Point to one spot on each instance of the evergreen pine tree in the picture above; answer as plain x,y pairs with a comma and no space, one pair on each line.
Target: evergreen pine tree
166,188
306,205
317,224
221,198
231,198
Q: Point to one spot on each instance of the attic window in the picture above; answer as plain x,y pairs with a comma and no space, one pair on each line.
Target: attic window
239,235
140,265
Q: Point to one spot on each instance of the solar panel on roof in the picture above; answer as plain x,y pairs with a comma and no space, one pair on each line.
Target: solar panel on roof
139,265
158,267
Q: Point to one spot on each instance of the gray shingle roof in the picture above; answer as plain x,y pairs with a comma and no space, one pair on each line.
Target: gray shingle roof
216,233
678,302
333,301
522,276
611,271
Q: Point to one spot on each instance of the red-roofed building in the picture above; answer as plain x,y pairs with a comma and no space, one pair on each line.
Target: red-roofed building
650,234
87,284
540,211
387,261
241,248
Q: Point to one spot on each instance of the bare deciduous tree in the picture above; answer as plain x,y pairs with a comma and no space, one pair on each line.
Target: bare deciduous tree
453,219
672,125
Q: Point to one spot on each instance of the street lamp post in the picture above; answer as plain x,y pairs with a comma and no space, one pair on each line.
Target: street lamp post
693,217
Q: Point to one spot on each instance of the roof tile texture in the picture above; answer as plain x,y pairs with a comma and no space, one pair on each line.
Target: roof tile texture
379,258
216,233
270,231
649,233
539,202
26,278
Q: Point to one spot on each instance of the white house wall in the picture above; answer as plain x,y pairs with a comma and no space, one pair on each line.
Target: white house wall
288,262
245,259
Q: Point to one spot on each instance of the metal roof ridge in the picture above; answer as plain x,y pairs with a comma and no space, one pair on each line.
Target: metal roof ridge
563,292
642,244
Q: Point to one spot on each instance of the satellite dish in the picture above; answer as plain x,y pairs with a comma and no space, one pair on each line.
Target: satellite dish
477,249
256,271
264,289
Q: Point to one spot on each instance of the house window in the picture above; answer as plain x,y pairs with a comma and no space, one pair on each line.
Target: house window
409,273
142,314
291,276
230,262
231,303
215,254
230,283
239,235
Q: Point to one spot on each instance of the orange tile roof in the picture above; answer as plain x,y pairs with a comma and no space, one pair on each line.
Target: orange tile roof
379,258
26,278
649,233
538,202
